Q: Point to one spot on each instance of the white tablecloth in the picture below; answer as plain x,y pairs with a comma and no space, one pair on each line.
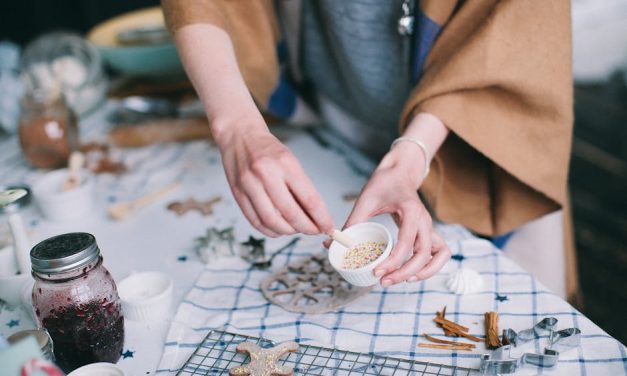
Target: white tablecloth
386,321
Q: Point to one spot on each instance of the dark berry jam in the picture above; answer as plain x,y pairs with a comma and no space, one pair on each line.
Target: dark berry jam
86,333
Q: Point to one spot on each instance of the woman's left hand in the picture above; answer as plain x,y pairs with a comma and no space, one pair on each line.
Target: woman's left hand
393,189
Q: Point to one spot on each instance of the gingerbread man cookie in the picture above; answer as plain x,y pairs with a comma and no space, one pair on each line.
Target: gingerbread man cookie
263,362
204,207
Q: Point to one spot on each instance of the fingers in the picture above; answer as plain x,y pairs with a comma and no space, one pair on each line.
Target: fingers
362,211
309,200
441,254
289,209
265,210
406,237
423,264
249,213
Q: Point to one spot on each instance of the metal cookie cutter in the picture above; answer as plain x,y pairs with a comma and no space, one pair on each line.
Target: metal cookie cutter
547,325
560,341
500,361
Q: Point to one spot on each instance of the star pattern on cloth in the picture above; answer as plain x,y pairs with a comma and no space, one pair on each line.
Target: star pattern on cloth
182,258
458,257
501,298
263,362
13,323
127,354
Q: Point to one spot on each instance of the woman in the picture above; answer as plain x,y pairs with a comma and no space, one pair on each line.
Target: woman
482,89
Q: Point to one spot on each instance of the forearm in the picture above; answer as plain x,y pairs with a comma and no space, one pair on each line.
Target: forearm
209,59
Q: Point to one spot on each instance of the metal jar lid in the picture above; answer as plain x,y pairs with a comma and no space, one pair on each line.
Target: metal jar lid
63,253
41,336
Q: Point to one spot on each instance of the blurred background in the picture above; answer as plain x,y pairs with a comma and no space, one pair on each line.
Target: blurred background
598,176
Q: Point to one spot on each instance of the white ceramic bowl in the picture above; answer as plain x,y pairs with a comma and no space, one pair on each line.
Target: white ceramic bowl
57,205
361,233
14,288
98,369
146,296
8,262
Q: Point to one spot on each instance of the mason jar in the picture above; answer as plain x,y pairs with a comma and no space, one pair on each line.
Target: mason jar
75,299
47,129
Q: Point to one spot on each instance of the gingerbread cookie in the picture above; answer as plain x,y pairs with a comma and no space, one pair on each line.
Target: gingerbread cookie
263,362
204,207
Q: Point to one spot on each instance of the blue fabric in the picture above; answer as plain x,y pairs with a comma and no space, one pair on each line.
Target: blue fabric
500,241
282,102
425,33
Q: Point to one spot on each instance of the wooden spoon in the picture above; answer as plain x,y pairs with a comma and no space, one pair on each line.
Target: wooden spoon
342,238
122,210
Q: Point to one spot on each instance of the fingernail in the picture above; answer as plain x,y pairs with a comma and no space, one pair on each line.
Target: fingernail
379,273
413,278
386,283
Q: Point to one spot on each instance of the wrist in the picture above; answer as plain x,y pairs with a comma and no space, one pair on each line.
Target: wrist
409,160
225,129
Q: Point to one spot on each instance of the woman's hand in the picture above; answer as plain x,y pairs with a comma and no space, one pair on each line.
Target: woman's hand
393,189
269,184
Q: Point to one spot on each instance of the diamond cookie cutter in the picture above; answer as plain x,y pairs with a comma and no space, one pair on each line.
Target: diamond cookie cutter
500,361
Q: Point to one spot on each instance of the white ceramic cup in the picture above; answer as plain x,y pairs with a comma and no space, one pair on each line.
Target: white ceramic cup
361,233
57,205
146,296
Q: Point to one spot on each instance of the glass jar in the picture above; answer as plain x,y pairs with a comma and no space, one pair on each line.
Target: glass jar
76,300
47,129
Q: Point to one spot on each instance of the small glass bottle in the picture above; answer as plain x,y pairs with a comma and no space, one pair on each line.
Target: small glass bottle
48,130
75,299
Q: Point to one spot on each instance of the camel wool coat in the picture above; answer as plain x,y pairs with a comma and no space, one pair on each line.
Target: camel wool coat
498,76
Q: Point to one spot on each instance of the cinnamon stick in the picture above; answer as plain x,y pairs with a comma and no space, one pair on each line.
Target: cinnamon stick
451,324
446,342
444,347
443,315
492,330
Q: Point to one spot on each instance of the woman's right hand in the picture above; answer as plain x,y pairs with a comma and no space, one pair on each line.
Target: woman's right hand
269,184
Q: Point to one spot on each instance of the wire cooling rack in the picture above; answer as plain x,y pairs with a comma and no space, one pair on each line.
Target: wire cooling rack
216,355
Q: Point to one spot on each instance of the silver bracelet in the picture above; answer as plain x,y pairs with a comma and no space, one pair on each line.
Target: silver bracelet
422,147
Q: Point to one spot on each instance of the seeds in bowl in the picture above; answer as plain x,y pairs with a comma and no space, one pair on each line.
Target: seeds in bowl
363,254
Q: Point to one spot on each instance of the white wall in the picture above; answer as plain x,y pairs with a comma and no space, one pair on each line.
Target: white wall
599,38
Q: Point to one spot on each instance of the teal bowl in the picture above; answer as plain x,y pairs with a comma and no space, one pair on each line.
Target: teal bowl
151,61
147,60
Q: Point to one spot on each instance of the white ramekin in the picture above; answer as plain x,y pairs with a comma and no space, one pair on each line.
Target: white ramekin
146,296
98,369
57,205
361,233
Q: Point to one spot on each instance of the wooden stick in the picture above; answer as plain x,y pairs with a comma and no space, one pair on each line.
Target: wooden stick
446,342
491,320
444,347
451,324
342,238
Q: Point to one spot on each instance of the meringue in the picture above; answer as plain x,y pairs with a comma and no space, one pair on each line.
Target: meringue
464,281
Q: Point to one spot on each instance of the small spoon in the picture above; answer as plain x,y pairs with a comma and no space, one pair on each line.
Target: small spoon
265,264
342,238
122,210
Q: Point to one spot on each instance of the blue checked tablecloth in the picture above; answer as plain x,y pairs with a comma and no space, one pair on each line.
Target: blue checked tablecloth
391,321
226,294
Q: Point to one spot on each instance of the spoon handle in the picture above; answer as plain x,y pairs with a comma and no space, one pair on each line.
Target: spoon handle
156,195
343,239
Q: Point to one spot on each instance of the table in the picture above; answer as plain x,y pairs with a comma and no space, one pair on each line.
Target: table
226,295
